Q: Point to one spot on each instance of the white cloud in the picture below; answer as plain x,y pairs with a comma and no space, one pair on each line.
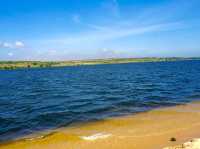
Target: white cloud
109,53
6,45
10,54
52,52
19,44
48,52
10,45
105,49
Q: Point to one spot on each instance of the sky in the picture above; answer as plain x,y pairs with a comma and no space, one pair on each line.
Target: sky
90,29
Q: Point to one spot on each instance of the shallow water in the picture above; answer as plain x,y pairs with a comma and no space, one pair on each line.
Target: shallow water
146,130
39,99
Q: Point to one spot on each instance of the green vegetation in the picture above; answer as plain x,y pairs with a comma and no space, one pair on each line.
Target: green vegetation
40,64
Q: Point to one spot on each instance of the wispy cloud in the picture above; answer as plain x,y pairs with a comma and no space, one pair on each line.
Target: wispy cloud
110,33
115,8
109,24
165,11
97,27
112,6
150,20
76,18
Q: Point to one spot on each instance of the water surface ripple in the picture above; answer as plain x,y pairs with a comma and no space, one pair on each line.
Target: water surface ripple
39,99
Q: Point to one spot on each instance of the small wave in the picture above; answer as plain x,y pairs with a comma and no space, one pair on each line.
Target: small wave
195,96
96,136
34,138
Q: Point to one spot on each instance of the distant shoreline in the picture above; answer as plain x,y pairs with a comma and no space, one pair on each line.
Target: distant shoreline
10,65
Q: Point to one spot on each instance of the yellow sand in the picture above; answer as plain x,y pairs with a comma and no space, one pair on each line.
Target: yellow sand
192,144
148,130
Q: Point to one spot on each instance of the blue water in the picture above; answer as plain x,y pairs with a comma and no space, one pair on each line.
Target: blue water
39,99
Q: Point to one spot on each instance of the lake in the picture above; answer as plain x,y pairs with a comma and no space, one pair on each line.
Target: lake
39,99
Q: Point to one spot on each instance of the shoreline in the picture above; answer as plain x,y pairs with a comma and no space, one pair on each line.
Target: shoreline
12,65
148,130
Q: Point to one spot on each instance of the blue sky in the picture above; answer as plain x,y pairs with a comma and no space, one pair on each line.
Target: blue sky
85,29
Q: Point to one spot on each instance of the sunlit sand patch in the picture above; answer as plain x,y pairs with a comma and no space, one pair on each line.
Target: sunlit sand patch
96,136
193,144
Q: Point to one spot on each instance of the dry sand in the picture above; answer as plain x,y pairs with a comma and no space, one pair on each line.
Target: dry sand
193,144
148,130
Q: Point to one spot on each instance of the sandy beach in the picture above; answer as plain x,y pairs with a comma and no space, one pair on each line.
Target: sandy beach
193,144
149,130
99,74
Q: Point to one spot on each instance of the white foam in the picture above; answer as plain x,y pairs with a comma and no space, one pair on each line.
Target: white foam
96,136
33,138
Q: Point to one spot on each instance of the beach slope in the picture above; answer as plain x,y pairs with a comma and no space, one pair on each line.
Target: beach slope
155,129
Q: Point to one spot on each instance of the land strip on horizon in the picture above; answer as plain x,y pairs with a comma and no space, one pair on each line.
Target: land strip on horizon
43,64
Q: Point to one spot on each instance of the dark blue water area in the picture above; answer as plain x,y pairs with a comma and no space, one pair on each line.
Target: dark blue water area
32,100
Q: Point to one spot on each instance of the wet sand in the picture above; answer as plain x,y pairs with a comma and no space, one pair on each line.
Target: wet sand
148,130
